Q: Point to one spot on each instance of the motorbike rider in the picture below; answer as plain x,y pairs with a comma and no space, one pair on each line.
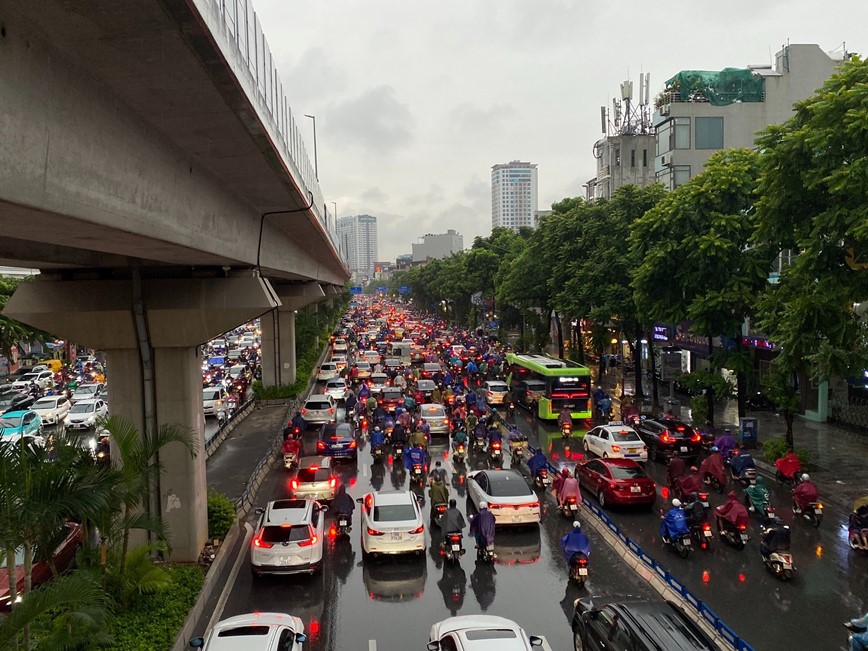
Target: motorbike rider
418,439
507,402
438,473
471,421
379,414
292,446
741,461
691,483
674,523
731,511
371,405
695,511
437,395
415,455
399,435
859,640
788,465
712,466
725,443
482,526
775,537
565,418
559,481
378,437
459,437
298,421
400,381
569,488
494,419
364,391
494,434
343,504
575,542
675,469
805,493
452,521
350,404
537,462
438,493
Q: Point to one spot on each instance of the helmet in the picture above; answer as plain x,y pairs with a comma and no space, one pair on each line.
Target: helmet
727,431
565,472
714,448
437,464
577,525
805,477
494,410
377,428
452,503
694,469
676,503
483,504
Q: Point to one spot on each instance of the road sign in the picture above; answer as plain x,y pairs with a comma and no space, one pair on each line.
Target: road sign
476,298
403,289
381,289
356,289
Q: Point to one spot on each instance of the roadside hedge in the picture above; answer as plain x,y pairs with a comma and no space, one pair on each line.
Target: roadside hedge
221,514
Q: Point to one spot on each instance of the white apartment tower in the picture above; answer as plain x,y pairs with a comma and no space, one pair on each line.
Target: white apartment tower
513,194
357,241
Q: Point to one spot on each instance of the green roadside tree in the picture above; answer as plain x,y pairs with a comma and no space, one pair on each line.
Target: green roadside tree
696,261
813,185
13,332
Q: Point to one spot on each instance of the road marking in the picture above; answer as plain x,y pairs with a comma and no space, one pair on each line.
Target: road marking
230,581
365,469
372,645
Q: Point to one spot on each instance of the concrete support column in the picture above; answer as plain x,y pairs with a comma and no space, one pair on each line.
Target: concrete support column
183,487
126,396
278,348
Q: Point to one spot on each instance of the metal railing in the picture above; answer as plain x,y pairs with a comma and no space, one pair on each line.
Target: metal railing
852,411
213,442
238,33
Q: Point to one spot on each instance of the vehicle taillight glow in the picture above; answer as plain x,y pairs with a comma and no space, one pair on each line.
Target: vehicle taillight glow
742,527
374,532
583,561
331,410
706,527
695,438
258,542
419,529
352,444
665,438
320,445
333,481
294,484
616,448
303,410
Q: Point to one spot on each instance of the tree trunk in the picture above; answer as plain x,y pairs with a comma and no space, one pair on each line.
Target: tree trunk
788,417
740,380
126,541
579,343
709,392
13,587
654,387
560,334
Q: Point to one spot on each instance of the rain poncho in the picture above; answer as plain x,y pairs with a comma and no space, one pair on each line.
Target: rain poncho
414,456
674,524
733,511
788,464
570,488
537,461
725,444
713,466
452,521
741,462
482,527
805,493
575,542
343,503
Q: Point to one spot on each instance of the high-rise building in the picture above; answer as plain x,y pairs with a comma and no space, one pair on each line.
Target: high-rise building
513,194
357,241
433,247
701,112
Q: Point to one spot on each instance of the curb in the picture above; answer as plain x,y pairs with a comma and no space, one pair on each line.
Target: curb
208,585
214,444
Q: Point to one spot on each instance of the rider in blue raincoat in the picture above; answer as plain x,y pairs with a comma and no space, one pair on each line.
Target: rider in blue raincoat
537,461
575,542
482,526
413,456
674,523
378,438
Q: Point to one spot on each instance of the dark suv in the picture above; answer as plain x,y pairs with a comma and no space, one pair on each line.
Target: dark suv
636,625
665,436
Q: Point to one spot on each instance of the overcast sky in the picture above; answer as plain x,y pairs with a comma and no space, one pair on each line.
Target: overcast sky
415,101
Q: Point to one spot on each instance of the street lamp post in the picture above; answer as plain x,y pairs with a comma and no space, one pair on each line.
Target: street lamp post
315,162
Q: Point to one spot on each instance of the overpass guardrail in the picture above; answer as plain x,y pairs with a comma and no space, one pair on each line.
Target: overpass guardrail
700,609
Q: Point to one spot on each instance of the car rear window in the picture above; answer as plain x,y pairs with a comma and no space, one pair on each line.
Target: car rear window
508,485
244,631
211,395
336,384
491,634
394,513
285,534
497,387
391,394
313,474
628,472
329,367
625,435
317,405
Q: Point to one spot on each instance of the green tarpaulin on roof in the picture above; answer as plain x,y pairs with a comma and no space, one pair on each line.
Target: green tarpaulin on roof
719,88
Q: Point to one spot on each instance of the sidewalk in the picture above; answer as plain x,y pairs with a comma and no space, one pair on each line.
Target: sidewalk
839,455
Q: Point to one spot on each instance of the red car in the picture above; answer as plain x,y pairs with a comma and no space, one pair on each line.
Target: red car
617,481
41,573
390,397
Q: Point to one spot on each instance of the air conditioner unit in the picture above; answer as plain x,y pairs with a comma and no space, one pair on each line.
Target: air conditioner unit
665,160
664,109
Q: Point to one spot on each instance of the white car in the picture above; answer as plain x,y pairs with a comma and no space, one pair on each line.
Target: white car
43,380
337,388
85,413
89,391
392,523
212,400
238,371
371,356
339,346
340,362
364,369
494,392
482,633
52,409
435,415
616,441
510,499
327,371
378,382
254,632
319,408
289,538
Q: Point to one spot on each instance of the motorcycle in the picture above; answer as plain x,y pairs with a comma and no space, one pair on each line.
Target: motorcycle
700,529
735,536
566,431
289,459
437,512
517,449
478,442
756,499
813,513
682,543
541,479
780,563
453,547
459,454
569,509
417,474
579,568
399,453
343,522
495,452
857,526
747,477
486,553
377,452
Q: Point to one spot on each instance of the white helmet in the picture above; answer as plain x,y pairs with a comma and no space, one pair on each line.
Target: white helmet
577,525
676,503
483,504
805,477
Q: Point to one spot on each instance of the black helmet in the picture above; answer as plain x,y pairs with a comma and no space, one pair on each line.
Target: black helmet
452,503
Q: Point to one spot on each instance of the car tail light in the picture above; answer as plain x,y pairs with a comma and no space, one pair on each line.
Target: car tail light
304,410
352,444
320,445
294,484
331,410
419,529
491,507
695,438
333,481
258,542
374,532
616,448
665,438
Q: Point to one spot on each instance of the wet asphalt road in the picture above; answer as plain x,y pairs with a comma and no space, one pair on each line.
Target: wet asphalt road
395,601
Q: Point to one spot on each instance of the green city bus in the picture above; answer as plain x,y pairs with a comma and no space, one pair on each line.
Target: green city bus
545,384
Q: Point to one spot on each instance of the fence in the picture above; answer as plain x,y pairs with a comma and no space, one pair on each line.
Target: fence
213,442
852,411
662,576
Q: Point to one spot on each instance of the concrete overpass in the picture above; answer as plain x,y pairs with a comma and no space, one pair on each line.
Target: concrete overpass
152,168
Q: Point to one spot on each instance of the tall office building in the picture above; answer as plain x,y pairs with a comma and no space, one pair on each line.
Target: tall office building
433,247
357,241
513,194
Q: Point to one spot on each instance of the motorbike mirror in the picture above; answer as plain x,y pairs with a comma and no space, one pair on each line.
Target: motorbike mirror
536,640
359,500
259,510
323,508
301,638
433,646
197,642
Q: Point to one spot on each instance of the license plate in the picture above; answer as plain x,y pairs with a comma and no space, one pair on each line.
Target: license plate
687,542
547,481
417,471
684,448
342,523
635,489
707,534
574,507
455,548
583,571
744,537
284,560
396,535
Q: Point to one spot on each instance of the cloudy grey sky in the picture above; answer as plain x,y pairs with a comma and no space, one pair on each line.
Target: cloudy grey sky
415,101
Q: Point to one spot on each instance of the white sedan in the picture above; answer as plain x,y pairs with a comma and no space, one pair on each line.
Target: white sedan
52,409
509,498
85,413
392,523
616,441
254,632
482,632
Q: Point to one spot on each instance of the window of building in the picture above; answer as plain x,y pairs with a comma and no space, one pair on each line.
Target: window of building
632,158
682,133
644,158
680,175
709,133
664,141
